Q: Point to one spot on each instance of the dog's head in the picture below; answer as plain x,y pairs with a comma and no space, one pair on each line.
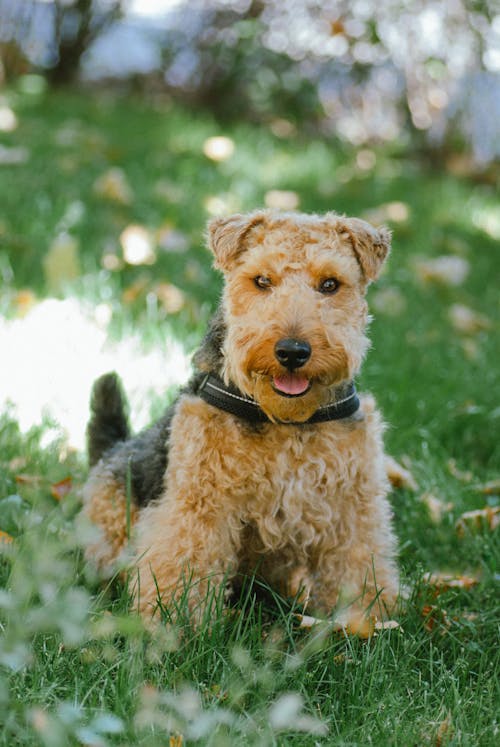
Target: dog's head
294,304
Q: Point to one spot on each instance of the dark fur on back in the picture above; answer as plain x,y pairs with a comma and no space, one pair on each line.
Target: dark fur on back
143,459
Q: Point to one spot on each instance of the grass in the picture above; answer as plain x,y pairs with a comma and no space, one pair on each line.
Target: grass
76,667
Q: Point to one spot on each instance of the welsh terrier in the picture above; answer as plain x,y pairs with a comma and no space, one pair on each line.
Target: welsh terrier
268,463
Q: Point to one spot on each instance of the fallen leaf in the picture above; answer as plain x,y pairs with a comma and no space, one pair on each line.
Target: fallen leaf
444,731
387,625
399,477
113,185
463,476
470,616
307,621
435,617
176,741
474,521
5,539
466,320
445,270
25,479
490,488
60,490
435,506
362,626
444,581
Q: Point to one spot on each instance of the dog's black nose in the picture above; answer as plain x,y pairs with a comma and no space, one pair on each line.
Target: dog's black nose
292,353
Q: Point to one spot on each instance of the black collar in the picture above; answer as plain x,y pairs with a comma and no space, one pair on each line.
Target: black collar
215,392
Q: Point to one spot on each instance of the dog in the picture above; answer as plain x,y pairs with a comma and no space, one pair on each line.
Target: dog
268,463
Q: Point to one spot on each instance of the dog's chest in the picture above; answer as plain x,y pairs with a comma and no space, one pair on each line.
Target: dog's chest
264,471
297,470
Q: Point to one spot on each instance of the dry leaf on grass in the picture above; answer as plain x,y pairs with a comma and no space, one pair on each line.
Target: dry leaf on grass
435,618
490,488
388,625
5,539
308,621
466,320
399,477
436,507
475,521
443,581
462,475
25,479
60,490
362,626
444,731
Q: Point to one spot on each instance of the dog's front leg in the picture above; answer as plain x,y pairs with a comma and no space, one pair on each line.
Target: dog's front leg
184,558
356,584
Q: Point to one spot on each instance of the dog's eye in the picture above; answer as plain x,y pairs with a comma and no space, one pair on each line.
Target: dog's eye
263,282
330,285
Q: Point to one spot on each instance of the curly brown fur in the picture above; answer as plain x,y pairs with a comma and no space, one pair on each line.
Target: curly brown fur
213,496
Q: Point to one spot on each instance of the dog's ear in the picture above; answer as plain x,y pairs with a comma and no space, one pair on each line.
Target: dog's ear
226,236
370,245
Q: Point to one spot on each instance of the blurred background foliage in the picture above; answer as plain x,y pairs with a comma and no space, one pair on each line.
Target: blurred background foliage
424,71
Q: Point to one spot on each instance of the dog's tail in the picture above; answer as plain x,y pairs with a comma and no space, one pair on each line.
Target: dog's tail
108,421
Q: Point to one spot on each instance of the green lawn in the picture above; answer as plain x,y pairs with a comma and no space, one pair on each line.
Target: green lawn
75,667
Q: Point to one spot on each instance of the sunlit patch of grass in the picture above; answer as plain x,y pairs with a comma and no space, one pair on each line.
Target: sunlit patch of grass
76,665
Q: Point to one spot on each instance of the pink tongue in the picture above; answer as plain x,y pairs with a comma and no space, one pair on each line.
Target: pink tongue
291,384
